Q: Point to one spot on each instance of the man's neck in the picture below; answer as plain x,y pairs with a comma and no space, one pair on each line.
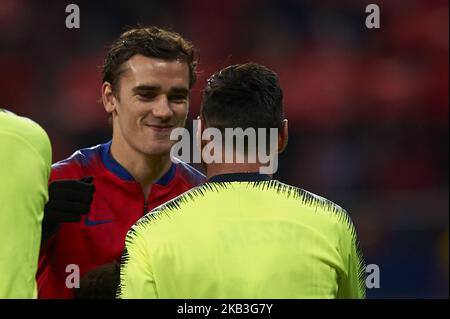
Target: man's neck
230,168
146,169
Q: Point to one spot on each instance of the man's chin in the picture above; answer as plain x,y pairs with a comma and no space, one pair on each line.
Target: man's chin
157,150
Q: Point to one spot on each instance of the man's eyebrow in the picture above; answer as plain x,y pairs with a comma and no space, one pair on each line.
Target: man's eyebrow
179,90
143,88
146,88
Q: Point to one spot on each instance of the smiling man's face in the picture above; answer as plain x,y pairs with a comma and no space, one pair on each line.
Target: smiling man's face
153,99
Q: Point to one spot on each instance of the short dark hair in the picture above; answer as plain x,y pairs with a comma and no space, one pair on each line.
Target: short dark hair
243,95
100,283
151,42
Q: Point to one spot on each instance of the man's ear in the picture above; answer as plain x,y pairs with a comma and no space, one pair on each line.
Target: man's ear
108,98
200,130
283,136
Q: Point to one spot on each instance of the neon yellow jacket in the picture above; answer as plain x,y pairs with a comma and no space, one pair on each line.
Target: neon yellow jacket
25,159
260,239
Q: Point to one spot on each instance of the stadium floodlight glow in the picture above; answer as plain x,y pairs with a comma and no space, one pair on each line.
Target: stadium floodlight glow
228,149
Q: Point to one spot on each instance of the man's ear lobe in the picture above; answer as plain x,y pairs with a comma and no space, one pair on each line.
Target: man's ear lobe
283,136
108,98
200,130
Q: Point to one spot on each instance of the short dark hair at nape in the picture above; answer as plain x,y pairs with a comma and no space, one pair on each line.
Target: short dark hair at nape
243,95
151,42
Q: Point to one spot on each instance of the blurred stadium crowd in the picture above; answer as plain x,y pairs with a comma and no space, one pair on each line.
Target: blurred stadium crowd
367,108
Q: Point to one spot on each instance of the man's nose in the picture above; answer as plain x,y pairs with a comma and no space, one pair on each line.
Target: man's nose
161,109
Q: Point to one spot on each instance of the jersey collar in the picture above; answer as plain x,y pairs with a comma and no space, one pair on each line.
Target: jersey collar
114,167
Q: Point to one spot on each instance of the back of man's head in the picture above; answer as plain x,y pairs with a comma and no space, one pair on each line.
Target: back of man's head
243,95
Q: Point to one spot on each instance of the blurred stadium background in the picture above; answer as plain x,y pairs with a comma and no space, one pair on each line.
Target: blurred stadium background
368,108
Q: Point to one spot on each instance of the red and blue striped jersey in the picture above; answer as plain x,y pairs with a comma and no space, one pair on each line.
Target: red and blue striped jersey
118,203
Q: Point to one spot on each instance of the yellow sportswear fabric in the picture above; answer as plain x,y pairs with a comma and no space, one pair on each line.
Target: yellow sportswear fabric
262,239
25,159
